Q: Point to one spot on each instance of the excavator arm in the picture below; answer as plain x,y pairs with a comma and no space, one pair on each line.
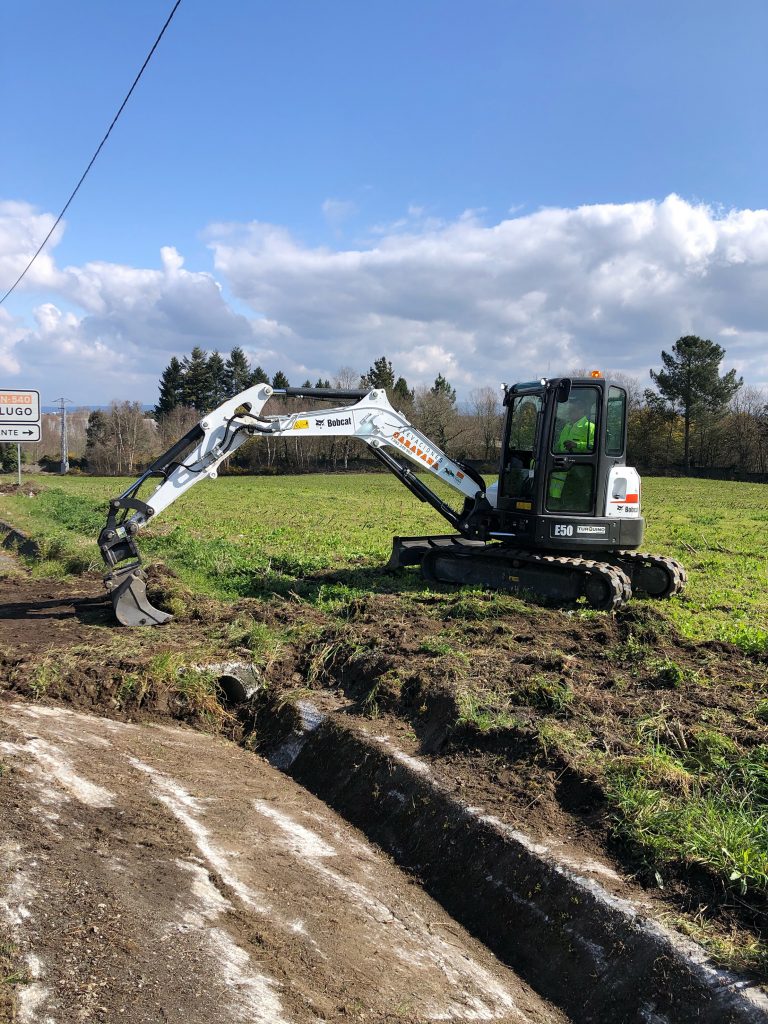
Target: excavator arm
370,418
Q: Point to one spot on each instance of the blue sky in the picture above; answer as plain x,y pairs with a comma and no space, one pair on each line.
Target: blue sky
384,128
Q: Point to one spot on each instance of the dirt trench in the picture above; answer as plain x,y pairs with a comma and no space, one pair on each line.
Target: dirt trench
152,873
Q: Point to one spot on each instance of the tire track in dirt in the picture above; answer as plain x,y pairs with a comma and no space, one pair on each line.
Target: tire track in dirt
158,874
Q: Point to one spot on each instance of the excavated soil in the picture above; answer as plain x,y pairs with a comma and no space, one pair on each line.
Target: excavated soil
152,873
404,664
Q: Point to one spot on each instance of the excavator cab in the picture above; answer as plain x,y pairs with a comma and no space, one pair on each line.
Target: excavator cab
563,447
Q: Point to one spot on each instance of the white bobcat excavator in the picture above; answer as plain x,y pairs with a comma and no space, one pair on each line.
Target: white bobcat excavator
563,521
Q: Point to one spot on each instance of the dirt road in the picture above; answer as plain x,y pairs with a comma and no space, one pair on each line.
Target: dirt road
152,873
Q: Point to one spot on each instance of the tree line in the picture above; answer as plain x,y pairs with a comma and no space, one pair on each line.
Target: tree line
697,419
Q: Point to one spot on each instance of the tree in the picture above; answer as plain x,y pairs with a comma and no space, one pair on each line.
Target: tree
401,392
346,378
486,413
96,429
691,382
218,377
237,372
9,458
259,376
442,387
380,375
280,380
121,439
197,385
175,424
320,383
171,388
435,413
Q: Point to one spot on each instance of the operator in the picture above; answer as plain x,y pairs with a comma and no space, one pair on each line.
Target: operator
576,435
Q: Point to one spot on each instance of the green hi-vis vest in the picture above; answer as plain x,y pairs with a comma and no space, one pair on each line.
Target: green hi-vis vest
582,433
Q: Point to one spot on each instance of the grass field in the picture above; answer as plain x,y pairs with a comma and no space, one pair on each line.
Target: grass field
246,536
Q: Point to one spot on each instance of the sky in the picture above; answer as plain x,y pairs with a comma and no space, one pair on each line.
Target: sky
491,190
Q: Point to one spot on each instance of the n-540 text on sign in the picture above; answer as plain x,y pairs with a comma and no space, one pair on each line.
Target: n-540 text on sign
19,415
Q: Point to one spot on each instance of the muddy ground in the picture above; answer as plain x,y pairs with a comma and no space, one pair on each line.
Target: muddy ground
404,664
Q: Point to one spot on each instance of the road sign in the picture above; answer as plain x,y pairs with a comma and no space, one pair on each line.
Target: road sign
16,434
19,415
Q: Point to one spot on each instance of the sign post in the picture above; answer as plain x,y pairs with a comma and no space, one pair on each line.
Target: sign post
19,418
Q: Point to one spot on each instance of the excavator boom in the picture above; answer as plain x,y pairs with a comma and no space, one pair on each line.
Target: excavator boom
370,417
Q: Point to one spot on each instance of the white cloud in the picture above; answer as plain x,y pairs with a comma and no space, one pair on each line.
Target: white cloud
22,229
602,285
605,285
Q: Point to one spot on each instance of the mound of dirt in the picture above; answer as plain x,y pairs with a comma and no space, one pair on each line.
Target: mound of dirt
27,489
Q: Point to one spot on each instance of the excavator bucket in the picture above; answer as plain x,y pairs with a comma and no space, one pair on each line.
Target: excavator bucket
128,589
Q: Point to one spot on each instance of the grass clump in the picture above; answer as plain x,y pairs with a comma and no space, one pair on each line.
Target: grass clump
547,693
45,677
484,712
201,695
265,644
440,648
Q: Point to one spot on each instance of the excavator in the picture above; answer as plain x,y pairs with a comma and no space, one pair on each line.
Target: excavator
562,521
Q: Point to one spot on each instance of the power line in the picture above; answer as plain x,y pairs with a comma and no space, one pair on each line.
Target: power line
93,158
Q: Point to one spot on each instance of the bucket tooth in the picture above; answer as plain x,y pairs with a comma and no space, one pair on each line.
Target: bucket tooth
128,589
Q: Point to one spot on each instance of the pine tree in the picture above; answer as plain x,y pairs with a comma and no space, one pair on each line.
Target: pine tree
322,383
171,387
307,383
97,428
401,391
197,385
259,376
442,387
280,380
237,373
380,375
218,376
691,382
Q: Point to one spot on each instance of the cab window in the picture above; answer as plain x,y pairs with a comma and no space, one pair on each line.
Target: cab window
616,421
575,423
519,463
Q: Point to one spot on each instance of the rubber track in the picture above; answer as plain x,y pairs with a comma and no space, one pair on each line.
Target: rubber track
676,573
618,582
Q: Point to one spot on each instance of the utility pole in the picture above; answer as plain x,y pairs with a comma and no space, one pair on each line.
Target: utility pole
63,402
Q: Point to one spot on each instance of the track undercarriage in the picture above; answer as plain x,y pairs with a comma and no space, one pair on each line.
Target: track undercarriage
606,583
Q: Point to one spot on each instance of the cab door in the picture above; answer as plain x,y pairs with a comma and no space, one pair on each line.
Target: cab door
519,470
573,455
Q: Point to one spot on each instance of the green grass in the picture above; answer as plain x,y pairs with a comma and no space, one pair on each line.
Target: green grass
718,530
707,806
241,536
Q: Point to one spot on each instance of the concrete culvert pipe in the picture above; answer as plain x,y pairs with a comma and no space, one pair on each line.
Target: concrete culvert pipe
239,681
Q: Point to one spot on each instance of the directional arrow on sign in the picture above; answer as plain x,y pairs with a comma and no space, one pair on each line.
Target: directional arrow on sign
25,434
